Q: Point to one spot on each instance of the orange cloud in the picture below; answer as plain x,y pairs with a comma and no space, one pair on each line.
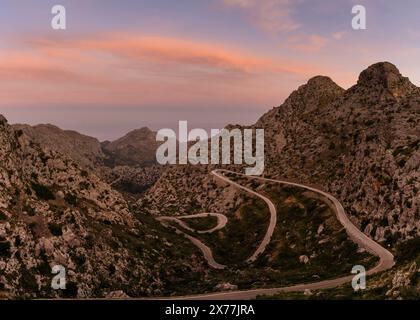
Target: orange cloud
26,66
167,51
126,69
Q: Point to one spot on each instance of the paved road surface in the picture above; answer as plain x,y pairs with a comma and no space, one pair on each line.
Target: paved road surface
208,254
386,259
221,221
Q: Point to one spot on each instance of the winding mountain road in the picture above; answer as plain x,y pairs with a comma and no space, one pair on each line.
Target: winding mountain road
221,221
386,259
208,255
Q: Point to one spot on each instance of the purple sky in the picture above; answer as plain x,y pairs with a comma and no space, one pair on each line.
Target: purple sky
121,65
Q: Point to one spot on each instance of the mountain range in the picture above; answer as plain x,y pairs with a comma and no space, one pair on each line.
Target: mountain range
68,198
128,163
360,144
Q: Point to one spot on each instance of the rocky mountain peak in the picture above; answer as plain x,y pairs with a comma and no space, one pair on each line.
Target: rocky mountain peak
132,136
145,130
138,147
385,75
319,85
316,93
3,120
320,82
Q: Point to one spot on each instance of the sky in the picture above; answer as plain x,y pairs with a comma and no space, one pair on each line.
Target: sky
126,64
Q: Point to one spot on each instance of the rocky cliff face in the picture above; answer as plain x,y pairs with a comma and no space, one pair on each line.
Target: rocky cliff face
361,144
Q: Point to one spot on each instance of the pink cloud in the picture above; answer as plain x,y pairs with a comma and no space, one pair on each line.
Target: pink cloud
305,43
270,15
339,35
140,70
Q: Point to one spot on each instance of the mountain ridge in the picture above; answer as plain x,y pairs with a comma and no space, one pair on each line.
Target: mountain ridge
362,145
326,136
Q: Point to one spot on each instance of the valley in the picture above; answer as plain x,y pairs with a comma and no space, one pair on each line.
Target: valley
340,187
285,262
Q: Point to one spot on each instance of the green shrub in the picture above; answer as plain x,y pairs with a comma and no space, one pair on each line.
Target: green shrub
2,216
410,293
84,173
28,280
29,210
4,249
55,229
42,192
70,199
408,250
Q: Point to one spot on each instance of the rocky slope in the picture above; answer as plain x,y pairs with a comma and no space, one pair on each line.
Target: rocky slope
361,144
136,148
128,163
83,149
402,282
54,212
